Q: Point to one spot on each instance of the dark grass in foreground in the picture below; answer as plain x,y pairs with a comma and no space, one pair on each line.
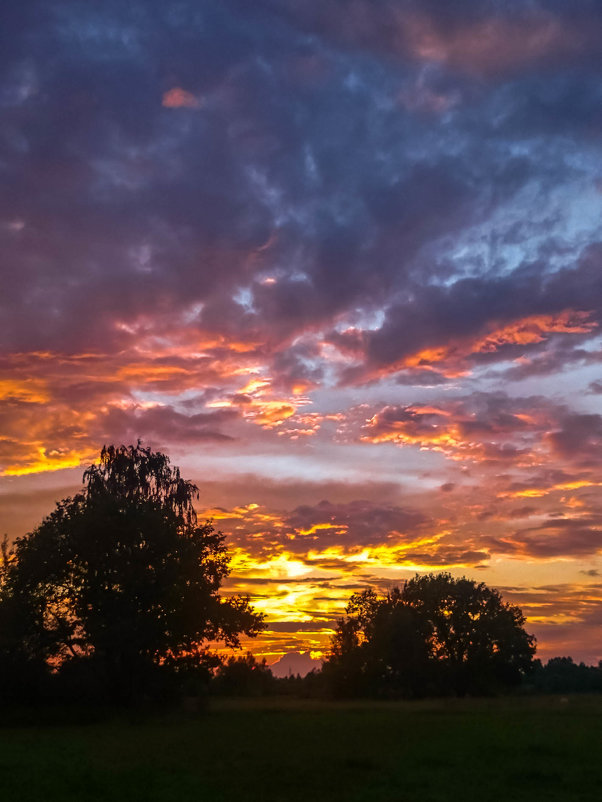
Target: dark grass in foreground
517,749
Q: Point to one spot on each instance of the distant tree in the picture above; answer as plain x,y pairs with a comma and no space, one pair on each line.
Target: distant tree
563,675
122,582
243,676
313,685
437,634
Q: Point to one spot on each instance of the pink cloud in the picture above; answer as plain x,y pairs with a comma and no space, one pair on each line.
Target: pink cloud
178,98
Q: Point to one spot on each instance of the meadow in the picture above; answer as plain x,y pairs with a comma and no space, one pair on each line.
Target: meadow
271,750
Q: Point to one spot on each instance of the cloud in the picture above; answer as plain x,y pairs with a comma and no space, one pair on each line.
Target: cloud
484,427
475,321
482,38
156,203
178,98
579,436
360,522
561,537
563,617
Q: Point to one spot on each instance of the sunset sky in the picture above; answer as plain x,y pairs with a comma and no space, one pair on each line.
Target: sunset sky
342,261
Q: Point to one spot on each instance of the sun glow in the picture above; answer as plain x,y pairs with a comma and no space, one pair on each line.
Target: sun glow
49,460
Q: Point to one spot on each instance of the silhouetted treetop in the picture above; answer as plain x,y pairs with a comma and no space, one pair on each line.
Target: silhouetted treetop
137,473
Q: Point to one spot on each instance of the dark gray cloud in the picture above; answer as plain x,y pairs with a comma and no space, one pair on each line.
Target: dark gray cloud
359,522
579,438
164,425
305,154
482,319
486,37
556,537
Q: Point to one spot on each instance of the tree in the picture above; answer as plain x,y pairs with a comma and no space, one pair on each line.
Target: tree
563,675
122,579
437,634
24,671
243,676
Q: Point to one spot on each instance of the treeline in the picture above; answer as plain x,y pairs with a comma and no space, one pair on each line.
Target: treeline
245,676
562,675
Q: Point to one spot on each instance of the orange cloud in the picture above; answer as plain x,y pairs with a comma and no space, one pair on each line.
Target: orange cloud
533,329
455,358
31,391
56,406
526,331
427,428
178,98
538,492
256,402
49,460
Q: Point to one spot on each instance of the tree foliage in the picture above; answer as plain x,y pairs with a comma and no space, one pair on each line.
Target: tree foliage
243,676
563,675
122,579
436,635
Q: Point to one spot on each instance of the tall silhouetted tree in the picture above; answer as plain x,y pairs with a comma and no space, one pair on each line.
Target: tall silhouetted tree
122,582
437,634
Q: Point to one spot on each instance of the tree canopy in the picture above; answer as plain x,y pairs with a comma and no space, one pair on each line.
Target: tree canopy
436,634
122,579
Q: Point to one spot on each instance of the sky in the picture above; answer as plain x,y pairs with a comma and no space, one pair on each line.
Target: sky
342,261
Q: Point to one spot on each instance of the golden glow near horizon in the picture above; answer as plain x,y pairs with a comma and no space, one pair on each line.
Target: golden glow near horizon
313,583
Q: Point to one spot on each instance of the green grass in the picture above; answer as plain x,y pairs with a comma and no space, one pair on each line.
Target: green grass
283,750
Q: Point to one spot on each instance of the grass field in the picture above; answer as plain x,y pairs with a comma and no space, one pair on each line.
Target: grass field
283,750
